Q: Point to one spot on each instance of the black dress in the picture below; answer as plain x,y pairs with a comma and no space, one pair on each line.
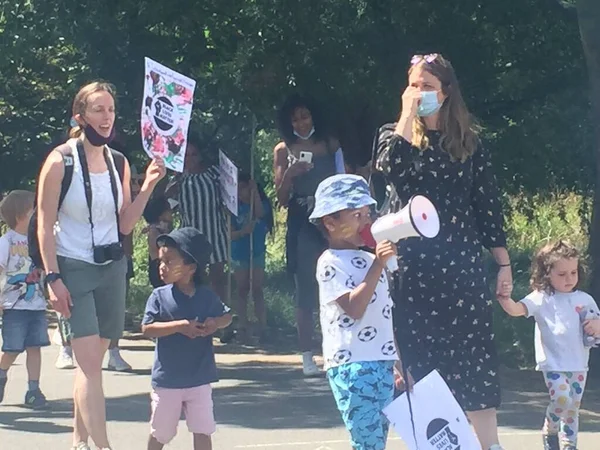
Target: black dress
444,305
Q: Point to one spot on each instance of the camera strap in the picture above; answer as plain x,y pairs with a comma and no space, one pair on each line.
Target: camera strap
87,185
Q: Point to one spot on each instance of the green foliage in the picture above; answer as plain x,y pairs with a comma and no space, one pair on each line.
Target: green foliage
520,64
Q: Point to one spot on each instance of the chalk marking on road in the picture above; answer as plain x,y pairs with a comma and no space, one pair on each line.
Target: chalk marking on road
343,441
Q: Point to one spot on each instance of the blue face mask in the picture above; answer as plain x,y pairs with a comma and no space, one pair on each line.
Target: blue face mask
429,104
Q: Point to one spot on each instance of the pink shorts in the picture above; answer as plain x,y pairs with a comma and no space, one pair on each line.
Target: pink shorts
167,405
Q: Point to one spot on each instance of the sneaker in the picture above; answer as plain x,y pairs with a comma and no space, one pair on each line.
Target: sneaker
496,447
569,447
65,359
309,367
3,382
551,442
56,339
81,446
35,400
116,361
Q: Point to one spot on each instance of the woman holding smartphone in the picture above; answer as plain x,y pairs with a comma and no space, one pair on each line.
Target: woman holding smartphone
306,156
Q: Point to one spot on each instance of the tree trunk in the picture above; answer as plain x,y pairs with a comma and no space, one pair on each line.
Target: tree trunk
588,12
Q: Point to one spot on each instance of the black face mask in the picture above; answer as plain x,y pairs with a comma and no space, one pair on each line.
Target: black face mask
95,138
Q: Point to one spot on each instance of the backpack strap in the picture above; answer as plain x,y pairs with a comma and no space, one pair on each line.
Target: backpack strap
119,160
67,154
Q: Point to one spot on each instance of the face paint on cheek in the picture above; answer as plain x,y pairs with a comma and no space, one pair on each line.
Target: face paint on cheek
347,231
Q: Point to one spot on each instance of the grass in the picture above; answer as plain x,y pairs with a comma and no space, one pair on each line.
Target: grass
531,221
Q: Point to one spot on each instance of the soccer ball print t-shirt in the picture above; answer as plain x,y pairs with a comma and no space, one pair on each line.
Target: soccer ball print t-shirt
346,340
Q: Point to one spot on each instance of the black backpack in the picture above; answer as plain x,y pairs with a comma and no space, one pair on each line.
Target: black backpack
67,154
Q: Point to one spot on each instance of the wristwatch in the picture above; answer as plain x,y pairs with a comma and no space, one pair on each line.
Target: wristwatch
51,277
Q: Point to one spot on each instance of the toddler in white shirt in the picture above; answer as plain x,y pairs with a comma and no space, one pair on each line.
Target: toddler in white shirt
560,349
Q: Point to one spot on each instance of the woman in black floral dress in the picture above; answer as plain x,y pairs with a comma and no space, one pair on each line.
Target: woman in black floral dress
444,307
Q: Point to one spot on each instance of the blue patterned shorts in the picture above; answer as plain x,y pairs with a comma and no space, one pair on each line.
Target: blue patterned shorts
362,390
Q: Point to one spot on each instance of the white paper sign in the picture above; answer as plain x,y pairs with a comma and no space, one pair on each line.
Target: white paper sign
229,183
166,111
440,422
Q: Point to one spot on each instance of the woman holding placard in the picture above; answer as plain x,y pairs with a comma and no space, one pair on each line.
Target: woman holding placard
306,156
80,247
444,307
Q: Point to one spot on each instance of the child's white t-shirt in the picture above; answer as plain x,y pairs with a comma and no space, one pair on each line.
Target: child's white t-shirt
346,340
558,330
20,281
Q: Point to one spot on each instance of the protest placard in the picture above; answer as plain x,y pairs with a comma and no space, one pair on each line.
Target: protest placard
440,423
166,112
229,183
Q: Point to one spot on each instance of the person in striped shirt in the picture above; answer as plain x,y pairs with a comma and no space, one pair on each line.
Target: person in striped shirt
201,208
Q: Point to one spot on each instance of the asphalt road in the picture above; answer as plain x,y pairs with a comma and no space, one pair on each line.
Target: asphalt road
261,402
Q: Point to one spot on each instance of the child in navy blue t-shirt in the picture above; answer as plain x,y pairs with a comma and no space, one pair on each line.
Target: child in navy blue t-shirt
183,315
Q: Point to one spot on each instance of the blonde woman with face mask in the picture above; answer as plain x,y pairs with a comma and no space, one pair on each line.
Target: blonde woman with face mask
444,313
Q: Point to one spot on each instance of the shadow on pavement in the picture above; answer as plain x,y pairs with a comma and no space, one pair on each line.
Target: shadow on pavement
273,396
30,421
279,344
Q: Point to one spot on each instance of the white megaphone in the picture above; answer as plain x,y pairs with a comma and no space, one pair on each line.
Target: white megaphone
418,218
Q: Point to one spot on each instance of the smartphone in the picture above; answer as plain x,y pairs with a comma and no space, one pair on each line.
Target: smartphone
306,157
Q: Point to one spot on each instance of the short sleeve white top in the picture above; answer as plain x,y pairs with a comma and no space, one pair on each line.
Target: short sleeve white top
558,330
345,339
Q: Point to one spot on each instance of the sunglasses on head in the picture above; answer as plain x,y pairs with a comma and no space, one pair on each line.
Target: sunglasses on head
416,59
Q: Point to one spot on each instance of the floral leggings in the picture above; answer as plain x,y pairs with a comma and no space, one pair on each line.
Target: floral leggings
566,390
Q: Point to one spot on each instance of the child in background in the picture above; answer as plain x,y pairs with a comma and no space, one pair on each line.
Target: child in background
560,353
183,315
253,222
24,326
159,216
356,310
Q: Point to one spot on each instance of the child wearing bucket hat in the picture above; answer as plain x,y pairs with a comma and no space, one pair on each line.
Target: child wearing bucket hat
183,315
355,310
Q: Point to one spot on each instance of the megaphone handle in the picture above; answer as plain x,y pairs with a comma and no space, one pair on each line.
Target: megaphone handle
392,264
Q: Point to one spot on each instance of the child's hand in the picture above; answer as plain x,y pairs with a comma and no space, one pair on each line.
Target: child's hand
191,328
384,251
209,327
400,382
592,327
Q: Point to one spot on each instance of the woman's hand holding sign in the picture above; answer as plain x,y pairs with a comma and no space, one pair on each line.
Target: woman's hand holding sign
155,172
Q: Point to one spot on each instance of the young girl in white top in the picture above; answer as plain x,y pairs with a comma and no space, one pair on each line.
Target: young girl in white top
564,331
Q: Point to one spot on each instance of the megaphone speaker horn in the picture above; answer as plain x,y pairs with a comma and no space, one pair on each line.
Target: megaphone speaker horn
424,217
